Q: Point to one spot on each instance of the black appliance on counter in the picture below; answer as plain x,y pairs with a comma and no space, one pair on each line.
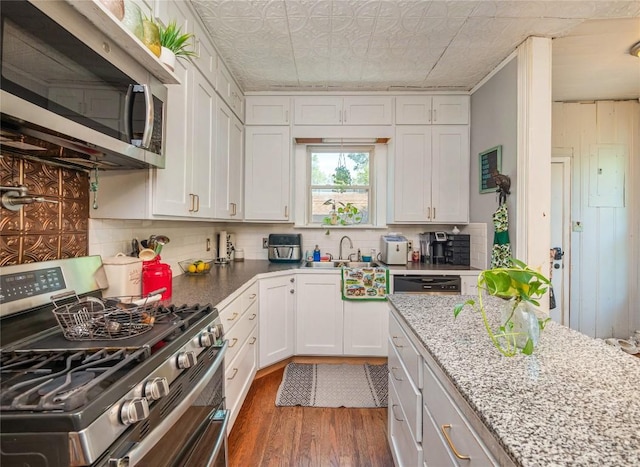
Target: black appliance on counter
285,248
426,284
155,398
445,248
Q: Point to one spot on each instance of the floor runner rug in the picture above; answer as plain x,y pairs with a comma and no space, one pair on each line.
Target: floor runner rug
331,385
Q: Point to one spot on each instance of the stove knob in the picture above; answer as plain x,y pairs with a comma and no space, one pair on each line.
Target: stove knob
207,339
218,331
156,388
186,359
134,410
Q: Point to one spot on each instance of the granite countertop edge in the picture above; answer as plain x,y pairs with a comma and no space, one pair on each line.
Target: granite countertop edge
571,402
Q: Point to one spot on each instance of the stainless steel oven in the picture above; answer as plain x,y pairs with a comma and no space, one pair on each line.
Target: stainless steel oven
151,398
431,284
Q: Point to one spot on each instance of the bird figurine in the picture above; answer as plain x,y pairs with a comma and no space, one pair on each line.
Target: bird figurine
503,182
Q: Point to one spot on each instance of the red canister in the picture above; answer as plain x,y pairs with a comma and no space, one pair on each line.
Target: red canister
156,275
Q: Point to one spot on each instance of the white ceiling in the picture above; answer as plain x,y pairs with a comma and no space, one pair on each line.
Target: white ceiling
307,45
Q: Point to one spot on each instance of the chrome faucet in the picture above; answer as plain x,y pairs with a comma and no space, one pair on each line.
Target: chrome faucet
350,246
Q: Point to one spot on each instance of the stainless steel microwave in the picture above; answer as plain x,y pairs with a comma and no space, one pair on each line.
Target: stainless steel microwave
67,84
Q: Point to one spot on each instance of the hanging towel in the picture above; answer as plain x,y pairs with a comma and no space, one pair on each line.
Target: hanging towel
501,252
365,283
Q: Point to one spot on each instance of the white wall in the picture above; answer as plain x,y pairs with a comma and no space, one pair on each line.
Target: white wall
108,237
494,113
605,280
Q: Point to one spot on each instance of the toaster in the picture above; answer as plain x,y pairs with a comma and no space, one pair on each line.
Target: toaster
394,249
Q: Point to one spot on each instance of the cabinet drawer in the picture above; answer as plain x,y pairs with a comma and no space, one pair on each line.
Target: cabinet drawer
249,296
409,396
230,315
435,448
239,374
238,334
406,452
447,419
407,352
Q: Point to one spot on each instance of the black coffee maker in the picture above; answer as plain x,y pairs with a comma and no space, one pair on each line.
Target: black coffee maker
432,247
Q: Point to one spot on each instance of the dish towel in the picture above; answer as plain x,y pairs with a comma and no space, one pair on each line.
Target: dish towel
501,252
365,283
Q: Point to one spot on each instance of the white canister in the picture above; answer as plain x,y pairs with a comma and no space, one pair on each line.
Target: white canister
124,274
239,255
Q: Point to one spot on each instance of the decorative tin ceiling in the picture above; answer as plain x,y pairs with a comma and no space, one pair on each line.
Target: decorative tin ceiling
383,44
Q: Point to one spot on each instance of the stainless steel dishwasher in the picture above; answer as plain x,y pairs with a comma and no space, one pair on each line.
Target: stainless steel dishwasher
431,285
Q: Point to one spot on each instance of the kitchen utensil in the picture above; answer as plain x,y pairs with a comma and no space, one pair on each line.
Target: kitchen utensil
151,243
147,254
135,247
161,240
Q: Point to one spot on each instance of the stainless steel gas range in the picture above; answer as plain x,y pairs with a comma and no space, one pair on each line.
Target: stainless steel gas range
154,398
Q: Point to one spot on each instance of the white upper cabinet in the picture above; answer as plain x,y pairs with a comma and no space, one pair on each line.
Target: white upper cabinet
228,157
431,174
267,173
353,110
267,110
229,90
432,110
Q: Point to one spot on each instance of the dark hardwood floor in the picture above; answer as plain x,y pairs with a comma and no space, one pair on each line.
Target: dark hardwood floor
266,435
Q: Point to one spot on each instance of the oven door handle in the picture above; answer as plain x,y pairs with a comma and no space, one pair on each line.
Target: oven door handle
216,416
139,450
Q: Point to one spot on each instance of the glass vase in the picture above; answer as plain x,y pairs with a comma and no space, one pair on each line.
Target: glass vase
520,323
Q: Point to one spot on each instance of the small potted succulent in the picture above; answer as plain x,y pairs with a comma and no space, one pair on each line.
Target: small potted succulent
174,44
519,326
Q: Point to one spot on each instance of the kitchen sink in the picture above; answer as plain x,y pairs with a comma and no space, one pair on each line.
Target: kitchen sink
339,264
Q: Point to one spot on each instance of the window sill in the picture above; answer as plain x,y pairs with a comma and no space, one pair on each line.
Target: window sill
341,227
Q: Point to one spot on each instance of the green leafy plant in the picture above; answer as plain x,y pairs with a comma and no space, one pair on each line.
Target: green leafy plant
518,283
344,214
172,38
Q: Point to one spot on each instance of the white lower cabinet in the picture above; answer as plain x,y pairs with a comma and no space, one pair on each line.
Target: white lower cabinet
366,328
319,319
427,425
239,319
452,441
277,319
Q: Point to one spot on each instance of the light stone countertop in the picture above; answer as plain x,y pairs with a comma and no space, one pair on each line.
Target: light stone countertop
575,401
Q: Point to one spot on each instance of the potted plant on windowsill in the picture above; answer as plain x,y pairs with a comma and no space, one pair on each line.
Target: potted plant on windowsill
519,326
345,214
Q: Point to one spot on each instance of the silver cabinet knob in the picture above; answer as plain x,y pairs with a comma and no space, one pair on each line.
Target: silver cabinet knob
206,339
134,410
156,388
186,359
292,280
292,291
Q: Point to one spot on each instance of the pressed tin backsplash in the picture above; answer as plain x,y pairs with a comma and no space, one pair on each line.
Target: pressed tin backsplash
44,231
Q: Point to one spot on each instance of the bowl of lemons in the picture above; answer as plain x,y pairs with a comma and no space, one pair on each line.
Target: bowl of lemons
196,267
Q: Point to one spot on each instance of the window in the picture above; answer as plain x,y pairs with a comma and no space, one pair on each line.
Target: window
340,179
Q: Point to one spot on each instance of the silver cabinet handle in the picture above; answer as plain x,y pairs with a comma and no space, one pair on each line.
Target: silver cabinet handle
197,203
233,342
393,339
192,206
434,213
286,116
393,411
253,340
235,372
435,115
345,116
252,317
393,373
252,296
444,429
233,316
429,213
286,211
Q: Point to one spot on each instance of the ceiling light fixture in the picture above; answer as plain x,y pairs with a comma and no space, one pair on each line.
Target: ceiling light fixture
635,50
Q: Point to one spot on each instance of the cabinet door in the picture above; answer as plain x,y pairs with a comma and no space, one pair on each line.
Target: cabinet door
366,328
366,110
267,110
412,174
450,174
172,188
203,134
276,321
206,59
413,110
319,319
267,173
229,90
239,375
450,110
228,167
318,110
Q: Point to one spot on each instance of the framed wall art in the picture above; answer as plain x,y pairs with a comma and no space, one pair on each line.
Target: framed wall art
490,162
